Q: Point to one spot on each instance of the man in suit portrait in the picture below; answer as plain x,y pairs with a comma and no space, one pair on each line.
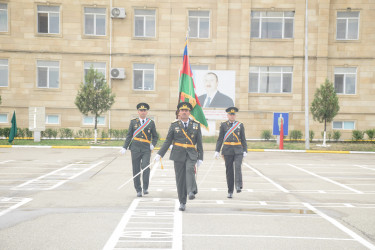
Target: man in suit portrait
213,97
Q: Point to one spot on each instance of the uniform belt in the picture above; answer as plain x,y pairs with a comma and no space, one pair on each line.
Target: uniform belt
232,143
142,140
184,145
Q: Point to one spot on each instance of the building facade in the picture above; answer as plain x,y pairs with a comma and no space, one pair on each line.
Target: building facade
46,47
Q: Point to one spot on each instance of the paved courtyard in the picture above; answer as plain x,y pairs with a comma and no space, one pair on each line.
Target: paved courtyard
81,199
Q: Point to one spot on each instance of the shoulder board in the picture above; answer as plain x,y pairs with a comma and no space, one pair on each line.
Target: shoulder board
175,121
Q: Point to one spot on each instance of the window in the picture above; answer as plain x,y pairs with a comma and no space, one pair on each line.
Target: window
95,21
48,19
90,120
348,125
272,25
143,76
199,24
347,25
4,69
144,23
99,66
345,80
270,79
48,74
3,17
52,119
3,118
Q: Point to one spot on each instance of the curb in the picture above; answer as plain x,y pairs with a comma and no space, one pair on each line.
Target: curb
249,150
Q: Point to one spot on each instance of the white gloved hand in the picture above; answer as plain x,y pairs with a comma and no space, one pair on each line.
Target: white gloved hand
244,154
199,162
151,147
123,151
157,157
170,147
217,155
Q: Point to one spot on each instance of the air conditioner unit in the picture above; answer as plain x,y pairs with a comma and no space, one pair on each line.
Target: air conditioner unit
118,12
118,73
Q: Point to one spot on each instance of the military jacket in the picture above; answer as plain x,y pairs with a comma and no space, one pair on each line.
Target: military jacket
177,137
149,133
238,136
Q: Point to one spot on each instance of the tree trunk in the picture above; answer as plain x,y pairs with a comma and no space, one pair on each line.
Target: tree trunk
96,131
324,137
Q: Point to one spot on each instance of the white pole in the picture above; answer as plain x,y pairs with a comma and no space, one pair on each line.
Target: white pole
307,142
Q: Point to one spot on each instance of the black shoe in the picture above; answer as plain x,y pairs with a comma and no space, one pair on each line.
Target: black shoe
238,190
191,196
182,207
139,194
230,195
145,191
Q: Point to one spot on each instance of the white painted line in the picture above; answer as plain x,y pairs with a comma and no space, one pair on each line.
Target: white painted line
265,236
340,226
327,179
263,203
2,162
111,243
177,228
373,169
220,202
268,179
22,202
348,205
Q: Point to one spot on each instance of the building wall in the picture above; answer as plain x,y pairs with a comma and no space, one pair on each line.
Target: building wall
228,48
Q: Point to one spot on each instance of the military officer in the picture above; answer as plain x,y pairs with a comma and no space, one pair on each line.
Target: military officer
232,135
141,140
186,136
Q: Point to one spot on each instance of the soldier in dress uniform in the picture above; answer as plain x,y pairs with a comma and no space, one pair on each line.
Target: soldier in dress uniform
232,135
186,136
141,140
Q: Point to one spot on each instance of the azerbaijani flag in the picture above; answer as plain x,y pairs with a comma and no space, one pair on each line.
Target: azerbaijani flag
187,90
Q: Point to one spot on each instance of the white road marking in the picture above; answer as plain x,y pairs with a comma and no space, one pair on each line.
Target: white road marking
268,179
327,179
11,203
341,227
3,162
372,169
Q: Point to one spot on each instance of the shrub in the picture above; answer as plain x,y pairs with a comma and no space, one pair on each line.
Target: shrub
79,134
6,132
311,135
357,135
21,132
1,132
66,133
266,134
370,133
87,133
295,135
104,134
336,135
49,133
118,134
28,133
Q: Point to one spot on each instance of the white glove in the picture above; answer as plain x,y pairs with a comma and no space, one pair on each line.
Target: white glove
217,155
171,146
244,154
151,147
157,157
199,162
123,151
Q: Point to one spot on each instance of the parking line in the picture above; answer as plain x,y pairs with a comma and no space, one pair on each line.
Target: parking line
327,179
18,202
372,169
340,226
268,179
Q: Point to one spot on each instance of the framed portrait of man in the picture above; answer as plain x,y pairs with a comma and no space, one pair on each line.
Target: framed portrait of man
215,88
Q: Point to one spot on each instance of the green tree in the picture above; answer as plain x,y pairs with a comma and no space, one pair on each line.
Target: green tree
325,105
94,96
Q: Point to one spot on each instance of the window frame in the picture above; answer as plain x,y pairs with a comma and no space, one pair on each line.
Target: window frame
345,77
199,24
282,72
49,123
7,68
93,120
260,18
343,125
143,76
95,67
49,19
48,73
7,18
347,25
7,118
144,17
95,21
